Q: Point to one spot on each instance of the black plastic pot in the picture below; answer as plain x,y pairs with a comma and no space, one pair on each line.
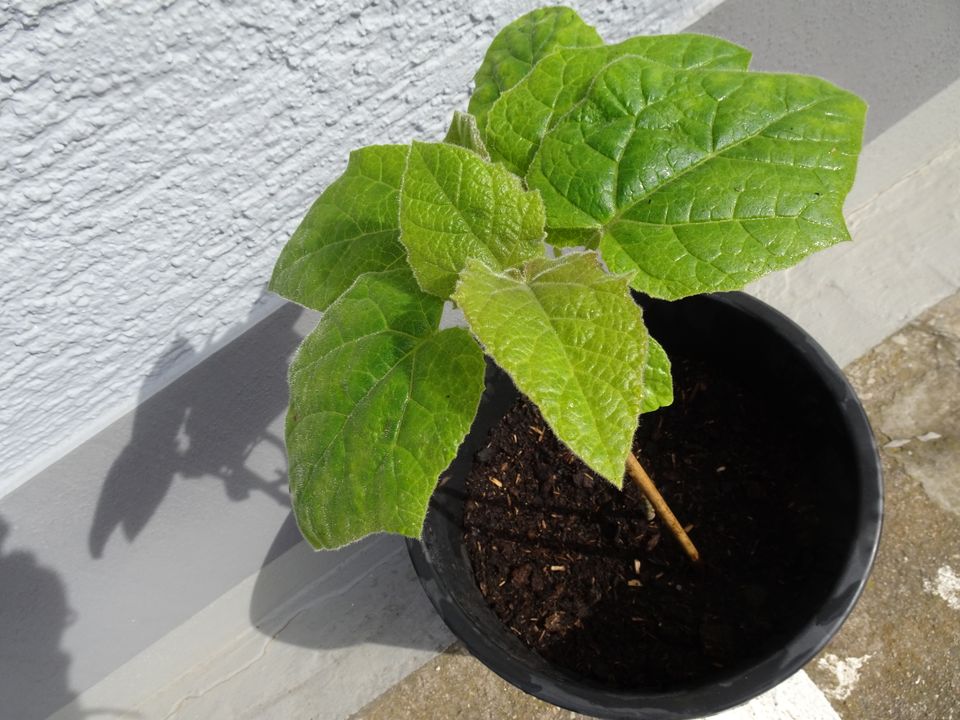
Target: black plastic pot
755,342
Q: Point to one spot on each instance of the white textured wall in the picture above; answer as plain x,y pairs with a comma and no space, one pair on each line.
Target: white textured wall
155,156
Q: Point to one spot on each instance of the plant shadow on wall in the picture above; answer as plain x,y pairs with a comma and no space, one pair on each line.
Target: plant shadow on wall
33,666
203,427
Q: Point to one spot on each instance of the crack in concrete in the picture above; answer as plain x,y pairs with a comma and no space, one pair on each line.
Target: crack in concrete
311,604
224,680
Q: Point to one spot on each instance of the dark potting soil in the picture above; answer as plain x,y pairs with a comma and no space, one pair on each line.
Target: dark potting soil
582,575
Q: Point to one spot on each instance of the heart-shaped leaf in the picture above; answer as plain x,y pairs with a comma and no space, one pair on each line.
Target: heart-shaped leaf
454,205
518,47
351,229
580,355
521,116
701,180
380,400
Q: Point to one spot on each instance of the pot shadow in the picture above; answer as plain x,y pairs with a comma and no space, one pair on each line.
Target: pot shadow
197,429
364,593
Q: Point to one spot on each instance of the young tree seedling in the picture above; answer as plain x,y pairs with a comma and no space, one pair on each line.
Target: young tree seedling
581,171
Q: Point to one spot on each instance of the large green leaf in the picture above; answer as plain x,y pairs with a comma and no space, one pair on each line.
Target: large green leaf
657,379
454,205
701,180
518,47
574,342
351,229
521,116
379,403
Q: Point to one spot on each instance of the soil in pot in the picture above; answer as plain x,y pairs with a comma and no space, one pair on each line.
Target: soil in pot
582,575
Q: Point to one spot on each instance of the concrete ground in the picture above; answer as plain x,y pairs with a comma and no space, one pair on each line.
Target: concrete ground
898,655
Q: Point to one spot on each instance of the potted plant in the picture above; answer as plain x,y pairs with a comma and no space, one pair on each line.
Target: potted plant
587,209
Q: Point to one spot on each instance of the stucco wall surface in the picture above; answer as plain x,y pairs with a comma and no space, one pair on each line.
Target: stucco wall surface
155,157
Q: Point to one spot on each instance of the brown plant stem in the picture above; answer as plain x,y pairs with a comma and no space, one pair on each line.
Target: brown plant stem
639,475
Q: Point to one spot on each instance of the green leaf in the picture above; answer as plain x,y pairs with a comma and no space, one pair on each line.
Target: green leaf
518,121
379,403
701,180
657,380
351,229
465,133
454,205
518,47
574,342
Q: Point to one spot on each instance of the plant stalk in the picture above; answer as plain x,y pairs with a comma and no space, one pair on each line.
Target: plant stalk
639,475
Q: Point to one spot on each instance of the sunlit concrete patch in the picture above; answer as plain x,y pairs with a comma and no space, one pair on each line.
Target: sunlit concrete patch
845,670
797,698
946,586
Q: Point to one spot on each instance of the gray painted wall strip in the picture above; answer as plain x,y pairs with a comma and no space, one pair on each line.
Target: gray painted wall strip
154,518
895,53
128,536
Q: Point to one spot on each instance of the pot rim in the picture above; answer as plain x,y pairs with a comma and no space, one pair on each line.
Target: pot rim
585,696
